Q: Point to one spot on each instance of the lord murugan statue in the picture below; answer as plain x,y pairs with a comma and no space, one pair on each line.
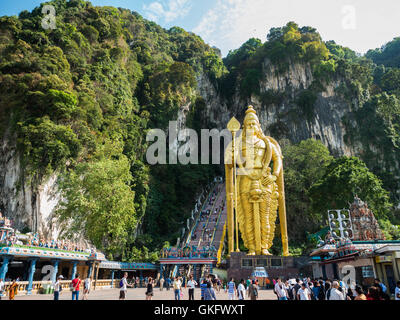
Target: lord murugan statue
254,187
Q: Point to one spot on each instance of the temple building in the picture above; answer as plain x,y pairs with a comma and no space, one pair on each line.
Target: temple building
366,251
36,263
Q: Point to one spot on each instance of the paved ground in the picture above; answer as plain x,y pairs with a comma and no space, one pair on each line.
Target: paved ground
138,294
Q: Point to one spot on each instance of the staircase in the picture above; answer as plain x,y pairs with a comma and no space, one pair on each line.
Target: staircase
207,231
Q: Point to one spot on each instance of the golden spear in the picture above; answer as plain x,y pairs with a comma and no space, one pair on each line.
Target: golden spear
234,127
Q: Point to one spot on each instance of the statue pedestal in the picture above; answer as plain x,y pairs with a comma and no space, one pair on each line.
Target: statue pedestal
241,266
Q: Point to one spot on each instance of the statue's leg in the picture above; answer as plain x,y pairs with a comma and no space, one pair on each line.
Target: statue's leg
249,224
273,214
265,224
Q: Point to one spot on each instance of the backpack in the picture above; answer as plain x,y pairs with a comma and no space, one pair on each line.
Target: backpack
121,283
328,294
290,293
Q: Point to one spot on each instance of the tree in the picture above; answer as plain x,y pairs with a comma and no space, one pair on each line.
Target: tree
99,203
304,164
345,178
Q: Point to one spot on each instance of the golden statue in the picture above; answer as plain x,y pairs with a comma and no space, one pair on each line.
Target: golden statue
253,188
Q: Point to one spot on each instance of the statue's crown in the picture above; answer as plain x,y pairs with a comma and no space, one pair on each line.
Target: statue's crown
251,114
250,109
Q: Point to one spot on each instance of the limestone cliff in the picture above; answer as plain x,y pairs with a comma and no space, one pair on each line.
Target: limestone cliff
28,203
283,119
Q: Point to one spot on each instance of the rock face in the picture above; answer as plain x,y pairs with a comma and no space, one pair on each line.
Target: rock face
284,119
29,205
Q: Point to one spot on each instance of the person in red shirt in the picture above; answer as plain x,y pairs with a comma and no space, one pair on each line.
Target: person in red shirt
75,287
373,294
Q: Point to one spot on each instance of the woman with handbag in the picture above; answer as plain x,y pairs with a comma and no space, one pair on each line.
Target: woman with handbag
75,287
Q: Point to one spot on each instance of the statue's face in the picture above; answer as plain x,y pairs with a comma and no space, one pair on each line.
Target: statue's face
251,126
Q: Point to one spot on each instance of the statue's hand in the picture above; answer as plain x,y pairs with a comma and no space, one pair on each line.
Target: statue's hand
269,179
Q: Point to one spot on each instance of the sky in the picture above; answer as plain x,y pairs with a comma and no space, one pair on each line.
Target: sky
358,24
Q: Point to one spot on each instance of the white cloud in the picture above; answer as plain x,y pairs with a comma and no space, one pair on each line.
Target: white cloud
167,11
232,22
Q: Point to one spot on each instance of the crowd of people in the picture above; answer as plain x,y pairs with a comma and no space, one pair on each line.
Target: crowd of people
320,289
210,287
189,252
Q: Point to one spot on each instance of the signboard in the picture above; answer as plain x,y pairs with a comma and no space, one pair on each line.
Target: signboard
368,272
261,275
259,272
382,259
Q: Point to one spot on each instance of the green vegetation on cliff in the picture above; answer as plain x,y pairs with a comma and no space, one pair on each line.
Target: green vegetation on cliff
80,99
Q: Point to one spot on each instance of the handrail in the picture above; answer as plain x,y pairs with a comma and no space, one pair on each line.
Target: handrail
221,245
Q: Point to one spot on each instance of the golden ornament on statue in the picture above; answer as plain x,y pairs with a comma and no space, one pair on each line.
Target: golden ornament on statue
254,187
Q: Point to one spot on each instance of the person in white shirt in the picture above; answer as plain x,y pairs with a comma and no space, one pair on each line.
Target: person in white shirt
304,293
397,292
191,285
86,288
124,287
2,285
241,290
280,290
57,288
335,292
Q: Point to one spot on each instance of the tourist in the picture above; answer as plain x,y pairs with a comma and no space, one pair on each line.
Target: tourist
231,289
335,293
75,287
218,285
13,290
304,293
57,288
241,290
321,293
2,285
396,291
177,288
280,290
382,295
149,292
248,283
209,292
360,293
123,284
162,284
86,288
137,282
203,287
192,285
373,294
253,291
350,294
310,287
327,289
289,290
315,290
296,288
377,283
168,283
